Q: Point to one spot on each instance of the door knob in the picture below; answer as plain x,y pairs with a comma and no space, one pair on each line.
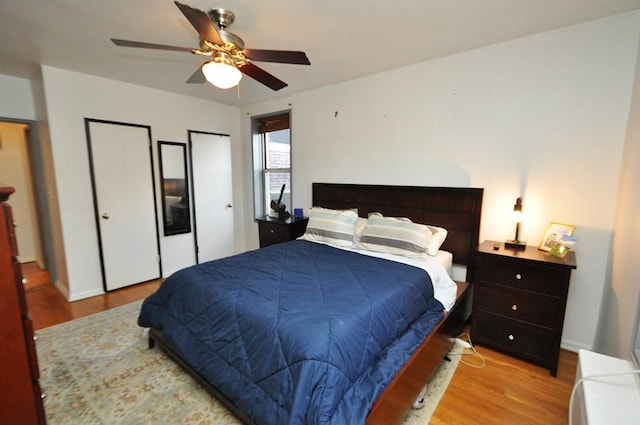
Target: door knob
229,206
105,216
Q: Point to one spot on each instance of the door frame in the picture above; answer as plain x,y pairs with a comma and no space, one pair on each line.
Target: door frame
87,122
36,164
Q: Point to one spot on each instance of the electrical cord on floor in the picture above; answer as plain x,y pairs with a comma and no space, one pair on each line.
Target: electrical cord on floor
468,345
593,378
419,402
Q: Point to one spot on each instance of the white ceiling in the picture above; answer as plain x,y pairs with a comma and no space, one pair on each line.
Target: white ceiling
344,40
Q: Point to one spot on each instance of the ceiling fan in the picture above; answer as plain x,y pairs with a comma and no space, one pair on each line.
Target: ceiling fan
229,58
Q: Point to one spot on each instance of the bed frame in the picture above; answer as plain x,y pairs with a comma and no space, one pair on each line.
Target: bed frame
456,209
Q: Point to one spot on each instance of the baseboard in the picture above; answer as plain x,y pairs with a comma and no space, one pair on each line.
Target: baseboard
63,289
82,295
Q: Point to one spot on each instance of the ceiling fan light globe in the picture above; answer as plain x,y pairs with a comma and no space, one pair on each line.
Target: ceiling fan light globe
221,75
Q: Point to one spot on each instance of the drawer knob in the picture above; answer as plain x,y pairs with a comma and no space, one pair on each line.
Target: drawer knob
43,396
511,337
514,307
35,337
518,276
272,231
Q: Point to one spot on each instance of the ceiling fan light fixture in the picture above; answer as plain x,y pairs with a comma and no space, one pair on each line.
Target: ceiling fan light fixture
221,73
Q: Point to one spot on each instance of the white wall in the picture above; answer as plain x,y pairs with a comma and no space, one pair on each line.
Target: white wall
71,97
16,98
622,287
542,117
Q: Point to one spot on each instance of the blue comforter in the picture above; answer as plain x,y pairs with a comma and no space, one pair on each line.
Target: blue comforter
296,333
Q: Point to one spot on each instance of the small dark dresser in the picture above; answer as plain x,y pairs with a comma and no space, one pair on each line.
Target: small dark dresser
273,230
519,301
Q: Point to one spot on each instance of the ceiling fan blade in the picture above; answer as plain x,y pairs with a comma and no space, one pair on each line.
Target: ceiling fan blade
197,77
279,56
201,23
128,43
262,76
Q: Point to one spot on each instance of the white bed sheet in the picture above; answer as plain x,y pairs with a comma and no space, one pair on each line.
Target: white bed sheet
446,259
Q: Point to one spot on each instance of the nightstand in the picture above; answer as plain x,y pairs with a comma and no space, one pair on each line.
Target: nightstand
519,301
274,230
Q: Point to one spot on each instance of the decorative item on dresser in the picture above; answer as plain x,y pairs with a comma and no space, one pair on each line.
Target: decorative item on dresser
20,397
519,301
274,230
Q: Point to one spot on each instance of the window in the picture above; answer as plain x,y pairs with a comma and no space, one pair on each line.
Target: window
271,162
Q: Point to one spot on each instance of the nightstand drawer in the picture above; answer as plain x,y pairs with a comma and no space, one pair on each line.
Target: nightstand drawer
272,233
514,337
520,275
534,308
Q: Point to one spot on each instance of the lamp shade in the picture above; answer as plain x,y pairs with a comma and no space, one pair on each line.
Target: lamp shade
221,75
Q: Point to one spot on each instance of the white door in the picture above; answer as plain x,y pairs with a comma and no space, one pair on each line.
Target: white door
124,199
212,195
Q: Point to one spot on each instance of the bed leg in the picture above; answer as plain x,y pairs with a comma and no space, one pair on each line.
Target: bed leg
152,342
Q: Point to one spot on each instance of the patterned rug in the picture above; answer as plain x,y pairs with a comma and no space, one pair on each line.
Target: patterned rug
99,370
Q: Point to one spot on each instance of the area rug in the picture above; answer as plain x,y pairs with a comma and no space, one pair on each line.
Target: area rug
99,370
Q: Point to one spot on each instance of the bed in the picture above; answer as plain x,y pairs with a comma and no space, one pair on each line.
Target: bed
295,342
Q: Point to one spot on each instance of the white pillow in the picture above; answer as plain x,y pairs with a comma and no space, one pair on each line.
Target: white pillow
335,227
395,235
438,235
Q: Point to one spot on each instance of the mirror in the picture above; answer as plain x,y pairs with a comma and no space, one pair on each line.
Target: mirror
175,188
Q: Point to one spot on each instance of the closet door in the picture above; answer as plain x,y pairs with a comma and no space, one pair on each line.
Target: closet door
212,195
122,173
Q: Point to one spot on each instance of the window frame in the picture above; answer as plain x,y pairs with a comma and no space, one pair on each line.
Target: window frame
260,126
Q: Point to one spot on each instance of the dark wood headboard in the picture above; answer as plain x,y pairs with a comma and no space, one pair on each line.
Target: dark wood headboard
456,209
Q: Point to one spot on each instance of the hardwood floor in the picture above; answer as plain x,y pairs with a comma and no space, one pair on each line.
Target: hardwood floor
506,391
48,307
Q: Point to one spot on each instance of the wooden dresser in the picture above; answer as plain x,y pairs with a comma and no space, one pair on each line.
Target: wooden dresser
273,230
20,396
519,301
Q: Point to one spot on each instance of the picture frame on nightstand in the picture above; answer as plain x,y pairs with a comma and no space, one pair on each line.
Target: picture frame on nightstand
553,233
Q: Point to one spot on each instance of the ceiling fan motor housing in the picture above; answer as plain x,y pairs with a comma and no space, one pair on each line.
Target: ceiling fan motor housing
222,17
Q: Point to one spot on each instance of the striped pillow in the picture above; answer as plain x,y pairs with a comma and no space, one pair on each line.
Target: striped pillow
335,227
394,235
